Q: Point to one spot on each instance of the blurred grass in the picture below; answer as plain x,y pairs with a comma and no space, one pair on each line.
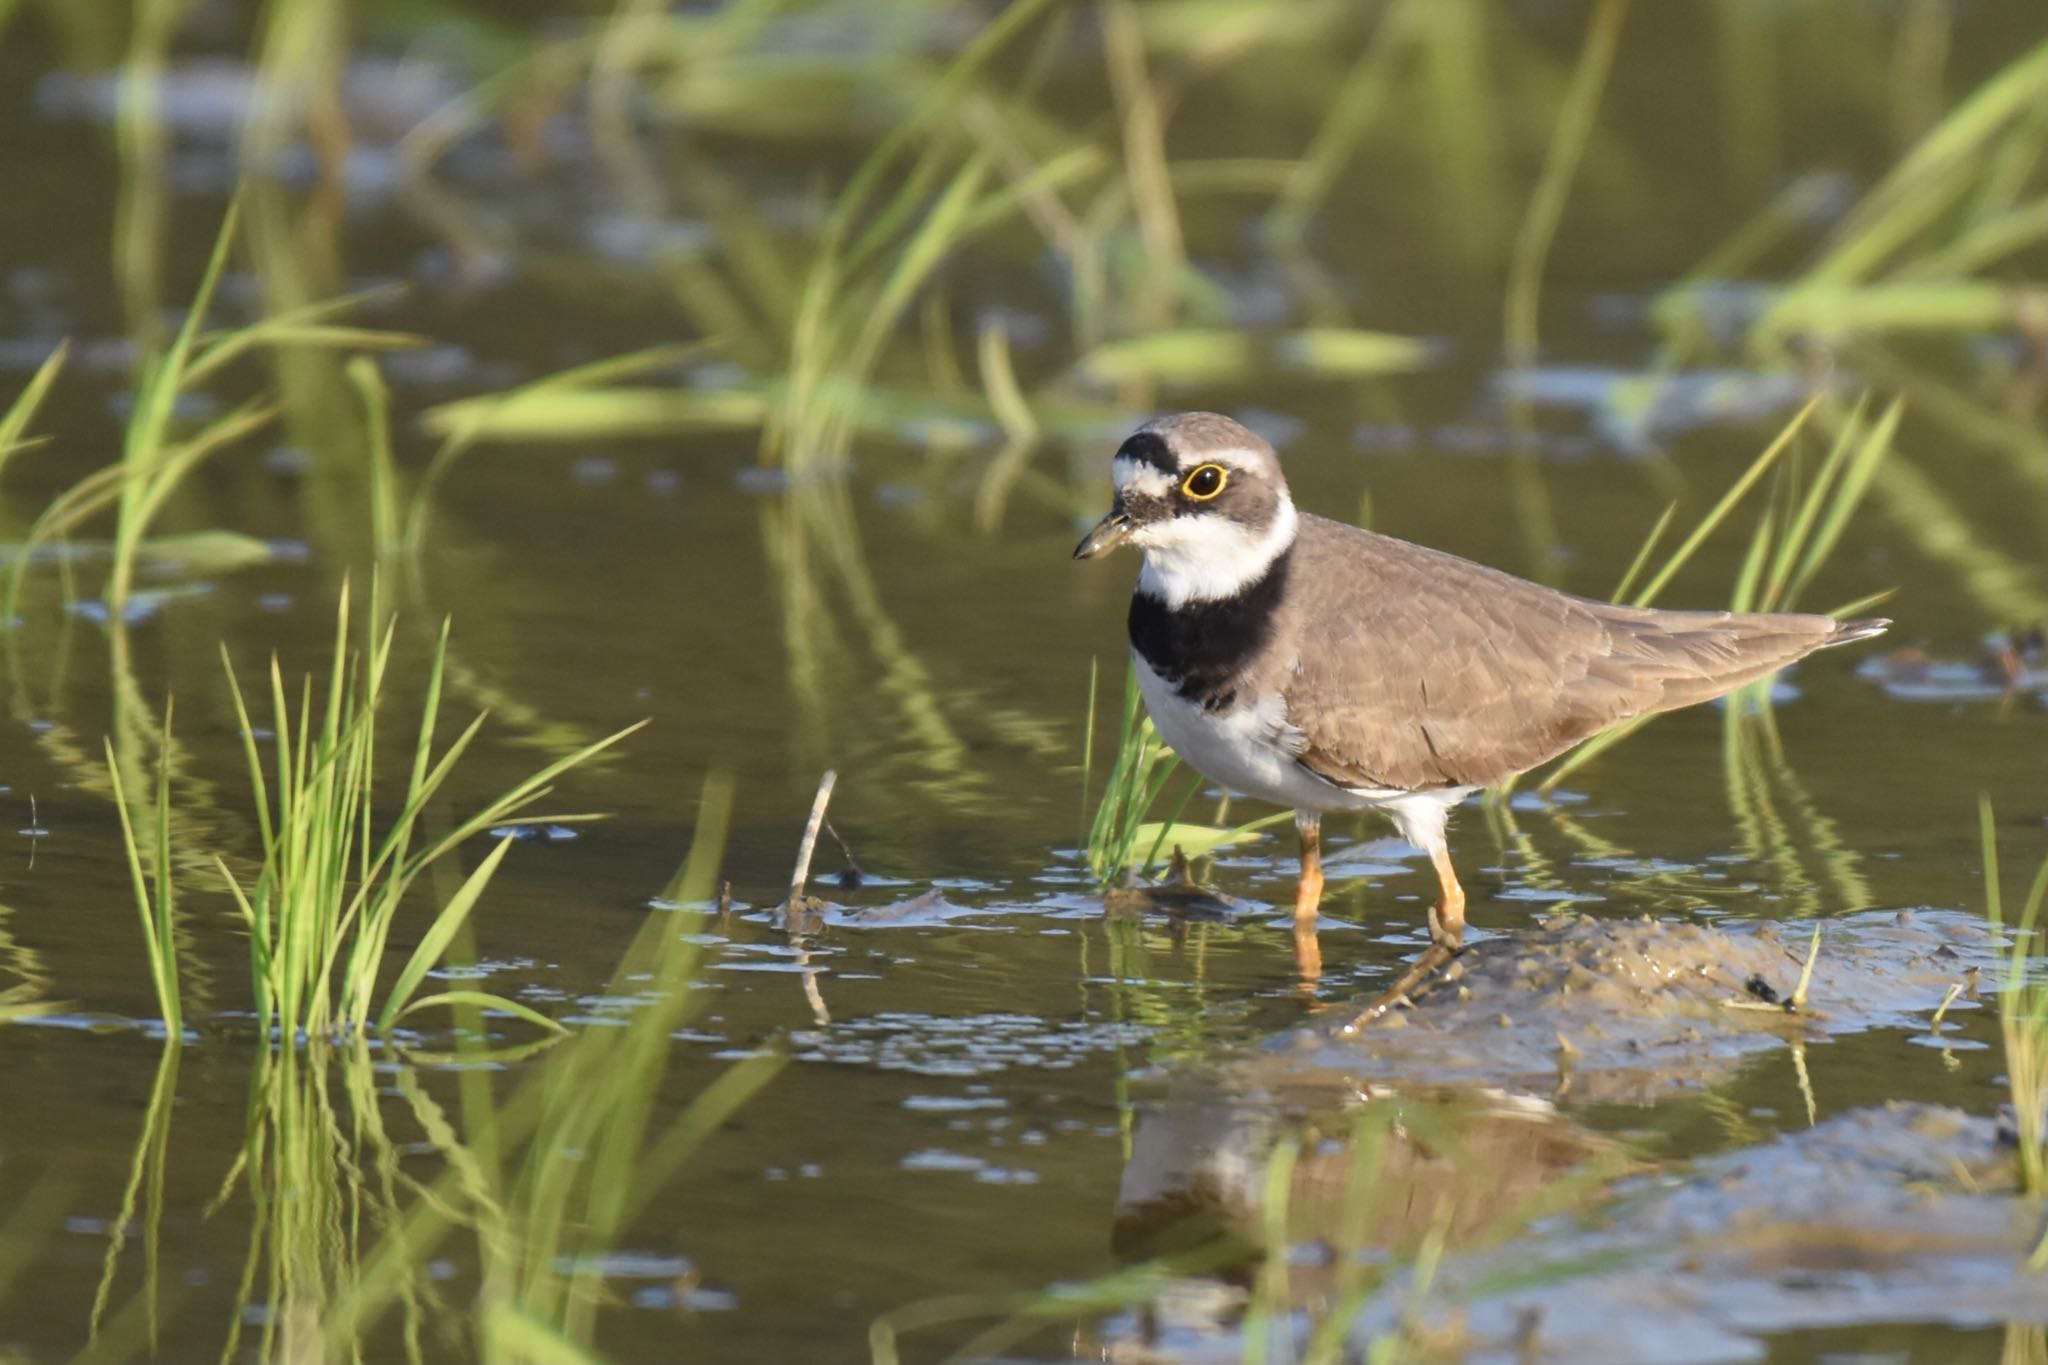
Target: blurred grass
1788,547
837,325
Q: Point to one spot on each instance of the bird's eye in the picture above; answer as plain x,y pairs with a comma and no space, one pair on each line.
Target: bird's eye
1205,482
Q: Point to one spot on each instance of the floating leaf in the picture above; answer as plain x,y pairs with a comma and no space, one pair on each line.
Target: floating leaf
1194,840
1208,355
562,414
1348,352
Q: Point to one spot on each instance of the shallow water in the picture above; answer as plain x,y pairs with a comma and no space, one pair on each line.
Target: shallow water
967,1077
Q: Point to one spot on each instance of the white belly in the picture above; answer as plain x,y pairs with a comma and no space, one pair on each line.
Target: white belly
1244,748
1250,749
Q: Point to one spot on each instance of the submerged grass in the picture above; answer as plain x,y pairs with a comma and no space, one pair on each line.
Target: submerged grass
550,1178
538,1188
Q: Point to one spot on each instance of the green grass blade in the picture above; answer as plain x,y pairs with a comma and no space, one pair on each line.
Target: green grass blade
163,968
1856,479
1643,553
1757,469
479,999
22,410
441,933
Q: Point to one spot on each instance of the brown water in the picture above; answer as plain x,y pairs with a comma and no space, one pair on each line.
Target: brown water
959,1119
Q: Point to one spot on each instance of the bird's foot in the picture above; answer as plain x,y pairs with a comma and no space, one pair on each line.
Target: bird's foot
1447,927
1434,959
1446,945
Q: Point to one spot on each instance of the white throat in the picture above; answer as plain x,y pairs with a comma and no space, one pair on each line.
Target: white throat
1209,559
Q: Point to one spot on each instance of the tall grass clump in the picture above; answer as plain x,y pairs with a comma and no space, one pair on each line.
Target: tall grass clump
321,911
2022,1015
337,867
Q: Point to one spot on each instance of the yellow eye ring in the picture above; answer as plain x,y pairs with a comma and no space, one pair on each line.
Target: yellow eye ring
1204,482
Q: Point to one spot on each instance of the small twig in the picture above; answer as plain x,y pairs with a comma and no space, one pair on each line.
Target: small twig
1934,1025
852,876
1797,1004
810,843
793,909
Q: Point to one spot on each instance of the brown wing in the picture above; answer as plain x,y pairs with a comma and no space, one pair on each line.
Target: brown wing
1417,669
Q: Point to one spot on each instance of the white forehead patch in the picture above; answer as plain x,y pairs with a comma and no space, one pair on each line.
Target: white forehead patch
1135,476
1150,480
1230,457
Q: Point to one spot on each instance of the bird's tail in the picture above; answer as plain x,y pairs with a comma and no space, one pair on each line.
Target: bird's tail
1695,656
1847,631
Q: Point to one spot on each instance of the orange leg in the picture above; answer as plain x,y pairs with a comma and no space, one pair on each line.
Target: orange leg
1447,940
1447,919
1308,950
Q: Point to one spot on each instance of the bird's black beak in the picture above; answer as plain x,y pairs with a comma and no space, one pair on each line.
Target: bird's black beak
1112,531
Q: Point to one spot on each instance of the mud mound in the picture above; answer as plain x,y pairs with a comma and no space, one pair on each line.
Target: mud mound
1634,1011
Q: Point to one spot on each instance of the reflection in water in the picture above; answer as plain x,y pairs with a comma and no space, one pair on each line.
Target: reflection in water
813,543
145,1173
1809,867
1306,1204
1371,1169
304,1172
1780,824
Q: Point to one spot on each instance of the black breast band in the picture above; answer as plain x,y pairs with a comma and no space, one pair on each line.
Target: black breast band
1202,648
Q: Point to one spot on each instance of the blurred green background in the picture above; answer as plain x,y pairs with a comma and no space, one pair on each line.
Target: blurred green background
750,367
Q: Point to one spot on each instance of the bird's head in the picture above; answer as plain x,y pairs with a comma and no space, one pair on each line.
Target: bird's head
1204,498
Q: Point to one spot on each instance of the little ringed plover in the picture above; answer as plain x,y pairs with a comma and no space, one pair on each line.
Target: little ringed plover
1311,664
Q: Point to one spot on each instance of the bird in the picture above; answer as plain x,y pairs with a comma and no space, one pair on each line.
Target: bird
1315,665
